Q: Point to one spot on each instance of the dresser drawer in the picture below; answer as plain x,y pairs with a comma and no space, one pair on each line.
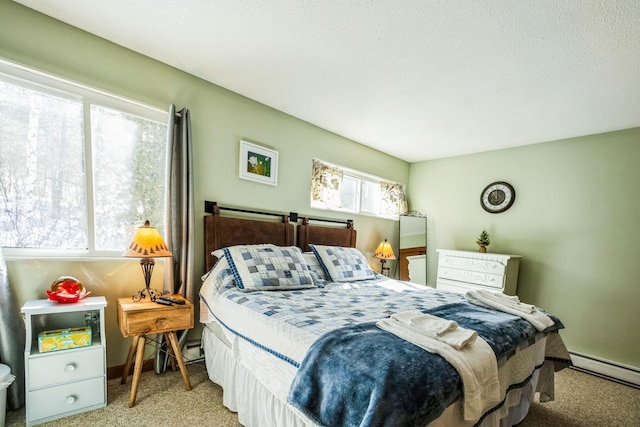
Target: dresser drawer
472,277
72,397
65,366
155,321
473,264
459,287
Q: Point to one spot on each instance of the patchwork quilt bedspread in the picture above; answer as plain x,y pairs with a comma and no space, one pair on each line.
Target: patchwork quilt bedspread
340,319
302,316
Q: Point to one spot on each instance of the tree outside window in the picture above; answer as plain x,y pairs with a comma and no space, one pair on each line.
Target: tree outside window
71,180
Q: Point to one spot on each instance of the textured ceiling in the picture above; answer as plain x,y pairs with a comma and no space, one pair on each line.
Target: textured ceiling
418,79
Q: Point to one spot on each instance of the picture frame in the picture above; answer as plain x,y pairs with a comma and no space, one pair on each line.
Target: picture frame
257,163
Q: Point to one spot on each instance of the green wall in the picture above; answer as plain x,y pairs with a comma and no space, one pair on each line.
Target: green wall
574,220
220,118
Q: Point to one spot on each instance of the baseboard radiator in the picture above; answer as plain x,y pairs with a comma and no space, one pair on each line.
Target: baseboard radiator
192,352
624,374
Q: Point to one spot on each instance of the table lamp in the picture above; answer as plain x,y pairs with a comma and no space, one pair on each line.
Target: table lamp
384,253
147,244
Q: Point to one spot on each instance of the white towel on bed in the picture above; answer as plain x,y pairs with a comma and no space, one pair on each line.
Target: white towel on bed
537,318
511,301
475,363
436,327
424,321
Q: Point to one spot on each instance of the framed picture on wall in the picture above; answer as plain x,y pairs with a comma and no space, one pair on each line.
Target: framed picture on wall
258,163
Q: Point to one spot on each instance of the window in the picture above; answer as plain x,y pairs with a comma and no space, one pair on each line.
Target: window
337,188
79,169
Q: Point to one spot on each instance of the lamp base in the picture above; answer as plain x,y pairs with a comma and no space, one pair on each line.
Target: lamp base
384,270
153,294
147,269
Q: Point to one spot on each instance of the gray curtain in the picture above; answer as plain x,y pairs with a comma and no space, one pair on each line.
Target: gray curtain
180,219
12,338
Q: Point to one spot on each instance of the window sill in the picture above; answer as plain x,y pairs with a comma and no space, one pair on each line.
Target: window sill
13,255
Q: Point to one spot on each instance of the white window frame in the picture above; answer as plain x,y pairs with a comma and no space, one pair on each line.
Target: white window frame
44,82
360,177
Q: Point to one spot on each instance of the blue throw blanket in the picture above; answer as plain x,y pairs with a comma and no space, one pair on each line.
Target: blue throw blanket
360,375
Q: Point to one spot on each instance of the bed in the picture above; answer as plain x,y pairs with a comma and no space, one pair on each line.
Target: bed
315,343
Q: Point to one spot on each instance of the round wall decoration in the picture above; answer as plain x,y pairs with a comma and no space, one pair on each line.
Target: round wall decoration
497,197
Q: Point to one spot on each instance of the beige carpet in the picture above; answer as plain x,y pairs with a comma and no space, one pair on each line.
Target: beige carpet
161,401
582,400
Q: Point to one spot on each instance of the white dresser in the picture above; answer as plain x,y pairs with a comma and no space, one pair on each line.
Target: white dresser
64,382
461,271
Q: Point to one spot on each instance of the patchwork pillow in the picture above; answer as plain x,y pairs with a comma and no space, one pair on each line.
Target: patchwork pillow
343,264
219,276
218,279
219,253
317,272
265,268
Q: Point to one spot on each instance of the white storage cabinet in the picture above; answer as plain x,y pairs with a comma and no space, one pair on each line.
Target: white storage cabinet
64,382
418,269
461,271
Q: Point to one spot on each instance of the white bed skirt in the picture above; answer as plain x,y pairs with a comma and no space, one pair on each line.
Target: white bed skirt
243,392
257,406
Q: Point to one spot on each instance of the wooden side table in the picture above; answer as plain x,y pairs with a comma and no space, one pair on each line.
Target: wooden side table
138,319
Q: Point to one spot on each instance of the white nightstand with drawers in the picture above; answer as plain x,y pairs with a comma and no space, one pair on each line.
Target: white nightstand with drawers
461,271
64,382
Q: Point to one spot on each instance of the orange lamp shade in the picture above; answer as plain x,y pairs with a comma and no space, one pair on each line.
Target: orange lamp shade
384,251
147,243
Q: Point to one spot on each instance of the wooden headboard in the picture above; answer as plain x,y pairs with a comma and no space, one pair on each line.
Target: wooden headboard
221,231
252,229
330,236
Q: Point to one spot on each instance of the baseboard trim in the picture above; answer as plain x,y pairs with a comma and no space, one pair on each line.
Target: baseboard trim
628,375
116,371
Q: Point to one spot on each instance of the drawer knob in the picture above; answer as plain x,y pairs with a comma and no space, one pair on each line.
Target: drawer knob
70,399
160,320
70,367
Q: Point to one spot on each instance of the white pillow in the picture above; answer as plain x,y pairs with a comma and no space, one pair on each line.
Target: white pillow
343,264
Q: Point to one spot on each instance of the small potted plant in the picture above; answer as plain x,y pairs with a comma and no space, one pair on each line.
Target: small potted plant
483,241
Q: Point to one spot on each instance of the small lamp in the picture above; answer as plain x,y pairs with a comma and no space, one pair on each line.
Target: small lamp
383,253
147,244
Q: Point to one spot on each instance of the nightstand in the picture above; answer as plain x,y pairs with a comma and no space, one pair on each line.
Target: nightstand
67,381
138,319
